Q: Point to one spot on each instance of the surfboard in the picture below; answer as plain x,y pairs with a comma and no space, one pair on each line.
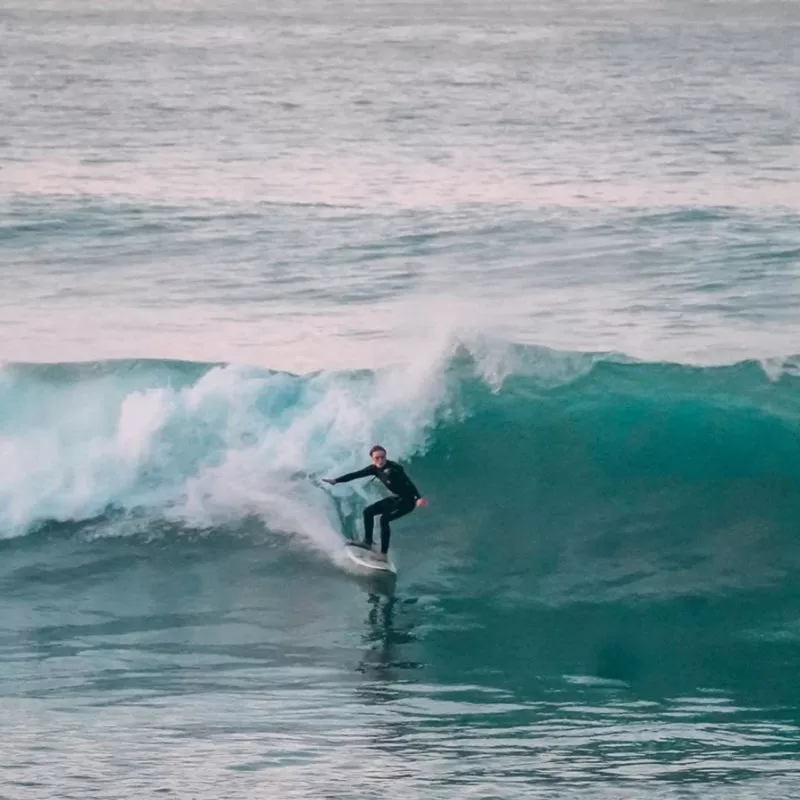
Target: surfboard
367,560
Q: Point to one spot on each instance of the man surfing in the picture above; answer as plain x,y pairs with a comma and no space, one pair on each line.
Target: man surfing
405,497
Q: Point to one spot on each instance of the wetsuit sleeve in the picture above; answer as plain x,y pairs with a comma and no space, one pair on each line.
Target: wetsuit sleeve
414,491
351,476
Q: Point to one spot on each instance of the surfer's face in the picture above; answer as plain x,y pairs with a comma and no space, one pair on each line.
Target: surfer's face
378,458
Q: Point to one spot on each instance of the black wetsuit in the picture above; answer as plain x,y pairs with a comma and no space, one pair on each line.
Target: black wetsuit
404,501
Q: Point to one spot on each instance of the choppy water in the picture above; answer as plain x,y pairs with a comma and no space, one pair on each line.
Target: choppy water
548,254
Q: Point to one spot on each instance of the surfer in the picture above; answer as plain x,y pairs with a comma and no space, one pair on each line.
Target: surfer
405,496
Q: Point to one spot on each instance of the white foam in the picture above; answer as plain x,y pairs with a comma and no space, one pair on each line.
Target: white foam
227,447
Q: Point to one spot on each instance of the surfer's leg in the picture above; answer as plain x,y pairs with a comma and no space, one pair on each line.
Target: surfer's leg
386,534
370,512
369,519
400,507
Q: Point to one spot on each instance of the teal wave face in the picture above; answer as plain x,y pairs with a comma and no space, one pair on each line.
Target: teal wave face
632,479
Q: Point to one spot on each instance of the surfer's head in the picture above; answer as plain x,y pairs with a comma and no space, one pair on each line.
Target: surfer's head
378,455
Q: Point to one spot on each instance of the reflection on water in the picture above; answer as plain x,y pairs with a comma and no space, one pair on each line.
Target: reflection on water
388,630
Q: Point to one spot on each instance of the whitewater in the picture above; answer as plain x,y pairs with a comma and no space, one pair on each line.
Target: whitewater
548,256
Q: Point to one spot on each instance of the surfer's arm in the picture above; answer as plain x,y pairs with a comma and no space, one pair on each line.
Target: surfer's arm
415,493
351,476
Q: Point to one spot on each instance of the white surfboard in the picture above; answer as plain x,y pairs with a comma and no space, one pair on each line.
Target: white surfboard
368,562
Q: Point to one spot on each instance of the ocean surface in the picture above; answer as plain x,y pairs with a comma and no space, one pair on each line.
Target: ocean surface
547,253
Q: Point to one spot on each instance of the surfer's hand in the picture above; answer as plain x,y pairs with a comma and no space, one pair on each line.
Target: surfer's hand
331,481
422,502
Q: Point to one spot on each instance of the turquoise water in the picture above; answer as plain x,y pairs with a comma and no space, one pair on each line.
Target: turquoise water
547,254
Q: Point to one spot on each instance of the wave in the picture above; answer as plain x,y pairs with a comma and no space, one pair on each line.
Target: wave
580,475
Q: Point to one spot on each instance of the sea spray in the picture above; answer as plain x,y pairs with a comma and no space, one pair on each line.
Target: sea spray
201,444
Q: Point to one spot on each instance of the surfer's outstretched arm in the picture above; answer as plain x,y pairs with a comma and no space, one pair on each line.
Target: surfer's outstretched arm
351,476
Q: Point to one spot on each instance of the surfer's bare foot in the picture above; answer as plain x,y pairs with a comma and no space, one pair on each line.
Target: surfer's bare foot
381,557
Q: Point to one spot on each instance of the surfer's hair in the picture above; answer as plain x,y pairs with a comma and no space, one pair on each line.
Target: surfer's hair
377,448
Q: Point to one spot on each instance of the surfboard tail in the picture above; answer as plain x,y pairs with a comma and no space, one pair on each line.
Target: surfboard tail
367,560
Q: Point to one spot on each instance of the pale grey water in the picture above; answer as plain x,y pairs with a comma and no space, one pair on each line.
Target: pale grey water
305,185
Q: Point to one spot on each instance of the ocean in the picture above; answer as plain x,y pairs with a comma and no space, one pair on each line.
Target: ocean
547,254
